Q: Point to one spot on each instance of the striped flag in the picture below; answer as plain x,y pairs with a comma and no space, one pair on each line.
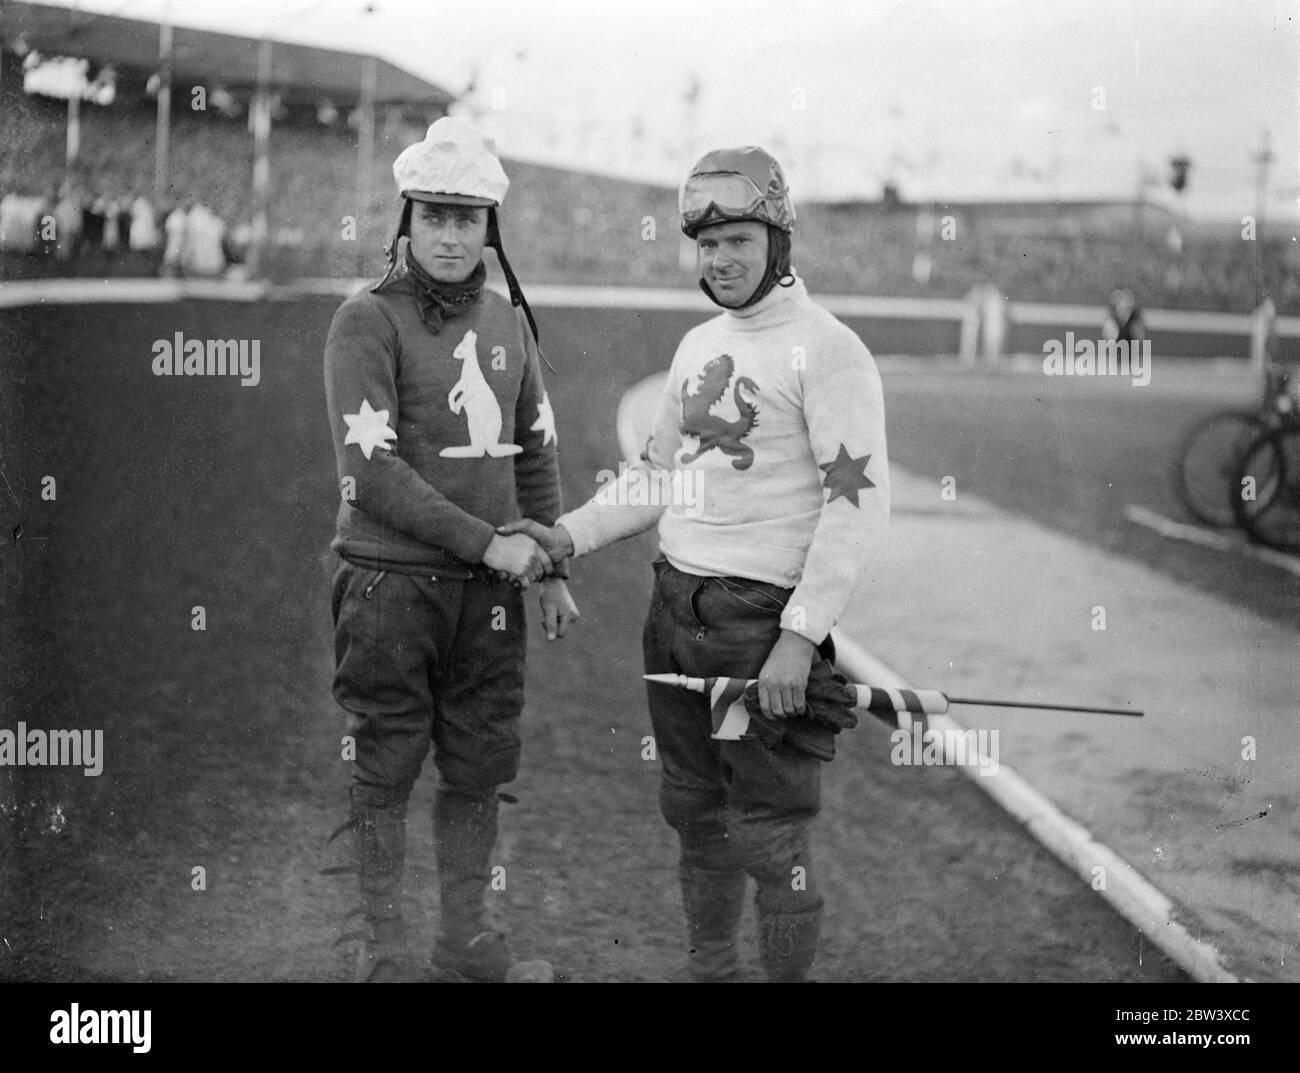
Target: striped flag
917,701
902,704
731,719
729,714
727,702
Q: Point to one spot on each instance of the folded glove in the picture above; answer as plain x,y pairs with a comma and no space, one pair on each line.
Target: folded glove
829,700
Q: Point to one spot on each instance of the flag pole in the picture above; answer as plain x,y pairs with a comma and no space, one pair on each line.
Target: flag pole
922,701
1049,707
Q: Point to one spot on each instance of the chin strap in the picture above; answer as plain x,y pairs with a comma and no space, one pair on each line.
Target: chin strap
516,292
390,249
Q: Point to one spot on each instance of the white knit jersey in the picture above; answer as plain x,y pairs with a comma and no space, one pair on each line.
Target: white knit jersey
774,421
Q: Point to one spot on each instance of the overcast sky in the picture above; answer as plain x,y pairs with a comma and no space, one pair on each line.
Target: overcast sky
952,99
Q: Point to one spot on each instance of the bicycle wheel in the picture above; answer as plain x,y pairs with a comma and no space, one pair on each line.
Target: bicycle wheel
1272,465
1206,461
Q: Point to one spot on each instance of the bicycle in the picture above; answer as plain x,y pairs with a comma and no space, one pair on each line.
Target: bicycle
1209,457
1270,469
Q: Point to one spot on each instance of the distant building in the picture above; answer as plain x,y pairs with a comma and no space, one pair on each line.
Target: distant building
1037,219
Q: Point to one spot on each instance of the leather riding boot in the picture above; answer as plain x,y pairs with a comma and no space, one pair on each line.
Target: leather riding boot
713,902
379,847
788,942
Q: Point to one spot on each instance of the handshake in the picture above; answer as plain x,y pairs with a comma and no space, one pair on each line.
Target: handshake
523,552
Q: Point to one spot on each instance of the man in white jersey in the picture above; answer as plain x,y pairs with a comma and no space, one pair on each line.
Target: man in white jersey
779,407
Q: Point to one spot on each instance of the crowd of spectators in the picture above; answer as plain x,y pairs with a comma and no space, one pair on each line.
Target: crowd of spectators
68,232
570,227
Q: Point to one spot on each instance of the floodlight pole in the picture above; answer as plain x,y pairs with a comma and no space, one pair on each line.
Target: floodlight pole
1262,160
365,153
73,144
162,137
260,117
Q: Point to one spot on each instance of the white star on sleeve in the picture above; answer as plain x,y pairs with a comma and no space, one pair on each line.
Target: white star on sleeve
368,429
545,422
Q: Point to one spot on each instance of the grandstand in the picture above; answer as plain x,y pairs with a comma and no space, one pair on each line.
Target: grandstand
318,101
560,226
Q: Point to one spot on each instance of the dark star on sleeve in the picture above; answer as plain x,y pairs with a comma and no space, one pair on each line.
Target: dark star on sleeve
846,475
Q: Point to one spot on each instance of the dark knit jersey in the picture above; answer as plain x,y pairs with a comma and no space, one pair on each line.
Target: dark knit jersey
438,438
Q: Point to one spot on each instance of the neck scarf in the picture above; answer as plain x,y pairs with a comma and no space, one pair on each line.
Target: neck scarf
439,301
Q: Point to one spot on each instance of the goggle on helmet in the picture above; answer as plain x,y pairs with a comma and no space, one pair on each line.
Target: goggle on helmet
727,185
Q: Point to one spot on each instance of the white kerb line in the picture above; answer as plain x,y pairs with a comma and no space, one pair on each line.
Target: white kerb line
1208,538
1131,895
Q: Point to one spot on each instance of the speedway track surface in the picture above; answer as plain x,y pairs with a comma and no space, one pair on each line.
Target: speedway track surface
222,746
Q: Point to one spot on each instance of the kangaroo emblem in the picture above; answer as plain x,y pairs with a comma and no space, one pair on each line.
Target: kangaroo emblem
714,432
472,395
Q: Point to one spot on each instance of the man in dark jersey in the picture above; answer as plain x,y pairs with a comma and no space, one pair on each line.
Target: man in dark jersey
442,432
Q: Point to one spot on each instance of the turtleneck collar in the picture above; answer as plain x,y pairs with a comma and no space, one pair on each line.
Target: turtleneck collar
771,304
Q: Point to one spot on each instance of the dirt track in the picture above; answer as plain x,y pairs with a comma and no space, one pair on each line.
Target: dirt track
222,745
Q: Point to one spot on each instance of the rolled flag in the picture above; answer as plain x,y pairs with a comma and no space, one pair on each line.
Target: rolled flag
726,702
727,706
731,719
921,702
916,701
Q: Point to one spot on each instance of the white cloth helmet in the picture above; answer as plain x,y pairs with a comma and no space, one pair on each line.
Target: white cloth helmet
455,163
